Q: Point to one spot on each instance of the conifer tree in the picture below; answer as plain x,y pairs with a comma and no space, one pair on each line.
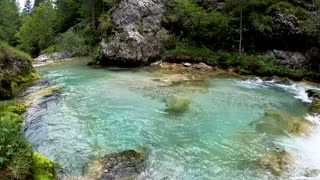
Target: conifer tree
27,7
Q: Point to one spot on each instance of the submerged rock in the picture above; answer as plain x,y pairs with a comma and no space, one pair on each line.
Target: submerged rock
276,123
276,161
178,104
123,165
34,97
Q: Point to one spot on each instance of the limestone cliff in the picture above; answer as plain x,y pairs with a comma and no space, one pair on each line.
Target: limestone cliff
138,36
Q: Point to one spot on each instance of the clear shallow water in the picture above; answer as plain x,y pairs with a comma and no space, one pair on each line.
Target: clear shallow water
101,111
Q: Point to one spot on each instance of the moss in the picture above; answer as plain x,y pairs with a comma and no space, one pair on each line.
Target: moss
178,104
16,69
42,168
20,79
316,106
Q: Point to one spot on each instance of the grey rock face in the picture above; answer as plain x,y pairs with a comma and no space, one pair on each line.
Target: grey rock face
288,58
139,36
56,55
284,24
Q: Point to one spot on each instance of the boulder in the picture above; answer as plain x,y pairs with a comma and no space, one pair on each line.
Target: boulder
313,94
138,37
123,165
54,56
178,104
203,66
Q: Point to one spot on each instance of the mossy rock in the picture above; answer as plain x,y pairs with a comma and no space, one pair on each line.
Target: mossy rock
276,161
16,69
276,123
178,104
42,168
123,165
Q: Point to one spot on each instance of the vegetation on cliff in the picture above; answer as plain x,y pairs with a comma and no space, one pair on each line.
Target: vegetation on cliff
15,69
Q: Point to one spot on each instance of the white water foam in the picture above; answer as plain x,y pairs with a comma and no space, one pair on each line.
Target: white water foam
298,90
305,149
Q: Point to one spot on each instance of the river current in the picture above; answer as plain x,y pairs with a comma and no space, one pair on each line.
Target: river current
103,110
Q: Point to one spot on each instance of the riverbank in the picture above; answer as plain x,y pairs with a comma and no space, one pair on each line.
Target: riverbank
17,159
244,64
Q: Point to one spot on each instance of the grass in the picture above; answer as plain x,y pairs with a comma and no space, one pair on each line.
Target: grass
17,159
8,51
244,64
15,152
16,69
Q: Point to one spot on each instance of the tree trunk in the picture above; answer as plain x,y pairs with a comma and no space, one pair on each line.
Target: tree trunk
93,14
240,40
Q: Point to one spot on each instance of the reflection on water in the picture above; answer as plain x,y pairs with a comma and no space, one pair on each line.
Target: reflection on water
100,111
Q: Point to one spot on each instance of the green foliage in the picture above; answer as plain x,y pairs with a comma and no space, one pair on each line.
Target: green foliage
15,152
42,168
9,21
197,25
73,42
37,31
245,64
7,51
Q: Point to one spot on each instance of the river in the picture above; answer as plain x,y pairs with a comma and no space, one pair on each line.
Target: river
104,110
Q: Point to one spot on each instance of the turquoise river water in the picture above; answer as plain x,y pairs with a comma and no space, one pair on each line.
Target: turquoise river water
100,111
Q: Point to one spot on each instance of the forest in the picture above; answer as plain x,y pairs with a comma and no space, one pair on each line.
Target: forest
248,37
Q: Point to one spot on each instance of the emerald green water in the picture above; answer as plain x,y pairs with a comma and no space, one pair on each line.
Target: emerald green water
101,111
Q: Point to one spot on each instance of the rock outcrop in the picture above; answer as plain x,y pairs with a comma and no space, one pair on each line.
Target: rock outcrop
123,165
15,69
288,58
138,36
54,56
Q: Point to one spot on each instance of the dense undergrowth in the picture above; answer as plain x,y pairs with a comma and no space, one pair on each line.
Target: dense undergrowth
244,64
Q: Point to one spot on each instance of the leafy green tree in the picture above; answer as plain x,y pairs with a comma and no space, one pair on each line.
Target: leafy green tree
9,21
68,14
198,26
37,31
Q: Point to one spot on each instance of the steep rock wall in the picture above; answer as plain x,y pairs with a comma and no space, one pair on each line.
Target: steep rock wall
138,37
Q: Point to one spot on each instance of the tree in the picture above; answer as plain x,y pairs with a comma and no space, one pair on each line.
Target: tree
37,3
37,31
239,7
27,7
68,14
9,20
